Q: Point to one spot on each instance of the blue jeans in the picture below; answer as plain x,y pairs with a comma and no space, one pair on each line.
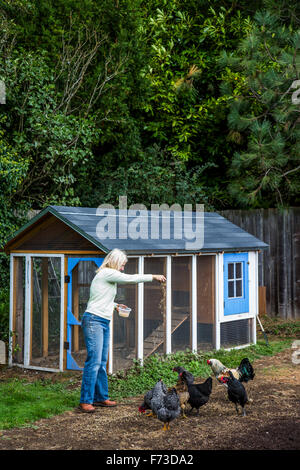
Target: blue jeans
94,385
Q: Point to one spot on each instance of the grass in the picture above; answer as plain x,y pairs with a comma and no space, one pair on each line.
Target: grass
23,402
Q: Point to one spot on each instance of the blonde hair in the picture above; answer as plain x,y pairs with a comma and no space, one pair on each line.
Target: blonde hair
114,260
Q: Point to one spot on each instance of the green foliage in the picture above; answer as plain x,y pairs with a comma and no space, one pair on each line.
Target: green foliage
175,182
282,328
4,314
47,145
263,118
94,89
13,169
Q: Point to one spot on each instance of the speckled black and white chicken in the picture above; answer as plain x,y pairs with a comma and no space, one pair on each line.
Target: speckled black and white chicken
170,408
153,399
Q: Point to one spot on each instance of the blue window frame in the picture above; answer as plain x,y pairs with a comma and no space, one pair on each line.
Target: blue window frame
236,288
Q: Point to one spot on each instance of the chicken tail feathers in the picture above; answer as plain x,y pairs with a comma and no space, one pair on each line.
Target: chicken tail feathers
246,371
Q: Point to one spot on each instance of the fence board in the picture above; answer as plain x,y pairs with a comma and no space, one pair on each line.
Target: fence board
279,266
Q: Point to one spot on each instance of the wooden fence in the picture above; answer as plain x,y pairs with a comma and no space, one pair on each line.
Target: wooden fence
279,266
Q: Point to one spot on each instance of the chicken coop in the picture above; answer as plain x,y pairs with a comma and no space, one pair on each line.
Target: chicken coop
209,301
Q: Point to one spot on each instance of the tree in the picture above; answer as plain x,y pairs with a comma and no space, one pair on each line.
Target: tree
71,92
185,113
263,119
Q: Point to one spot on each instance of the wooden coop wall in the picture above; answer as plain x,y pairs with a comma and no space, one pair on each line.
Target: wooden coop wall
181,302
154,308
205,302
52,235
45,321
18,310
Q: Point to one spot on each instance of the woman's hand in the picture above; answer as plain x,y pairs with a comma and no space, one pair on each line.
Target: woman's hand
120,306
159,277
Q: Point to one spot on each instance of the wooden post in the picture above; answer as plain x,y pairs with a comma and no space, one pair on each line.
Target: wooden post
193,309
168,305
140,310
18,316
136,317
165,305
213,296
45,306
262,296
31,311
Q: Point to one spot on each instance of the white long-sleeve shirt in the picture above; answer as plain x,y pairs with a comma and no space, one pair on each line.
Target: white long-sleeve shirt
104,288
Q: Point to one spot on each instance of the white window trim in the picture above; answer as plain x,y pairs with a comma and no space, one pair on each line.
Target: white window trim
253,289
253,298
168,305
140,326
194,304
236,279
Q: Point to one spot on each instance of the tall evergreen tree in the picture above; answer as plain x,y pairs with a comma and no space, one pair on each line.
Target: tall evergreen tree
262,78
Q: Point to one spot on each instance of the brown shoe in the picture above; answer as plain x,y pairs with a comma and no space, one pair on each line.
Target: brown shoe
105,403
86,408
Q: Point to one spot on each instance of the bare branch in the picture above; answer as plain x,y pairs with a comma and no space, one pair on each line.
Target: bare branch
291,171
74,63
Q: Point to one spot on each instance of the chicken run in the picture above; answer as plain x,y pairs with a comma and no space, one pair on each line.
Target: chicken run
168,404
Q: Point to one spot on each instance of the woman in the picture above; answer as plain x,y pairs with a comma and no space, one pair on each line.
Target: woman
95,325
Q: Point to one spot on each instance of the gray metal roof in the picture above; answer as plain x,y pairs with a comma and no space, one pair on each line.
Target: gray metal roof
219,233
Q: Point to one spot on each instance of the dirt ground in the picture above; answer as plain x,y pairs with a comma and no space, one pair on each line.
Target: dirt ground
272,421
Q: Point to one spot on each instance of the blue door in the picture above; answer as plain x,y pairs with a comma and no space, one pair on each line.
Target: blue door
71,318
236,288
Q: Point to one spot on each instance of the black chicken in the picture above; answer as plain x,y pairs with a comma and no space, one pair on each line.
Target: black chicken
179,371
246,370
199,393
236,392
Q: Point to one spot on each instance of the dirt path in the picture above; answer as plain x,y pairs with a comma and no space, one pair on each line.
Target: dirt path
272,421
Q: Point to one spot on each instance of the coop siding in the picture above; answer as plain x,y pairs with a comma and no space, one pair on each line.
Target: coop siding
55,236
45,305
18,309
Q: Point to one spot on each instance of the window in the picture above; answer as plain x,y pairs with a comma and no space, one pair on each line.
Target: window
235,280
